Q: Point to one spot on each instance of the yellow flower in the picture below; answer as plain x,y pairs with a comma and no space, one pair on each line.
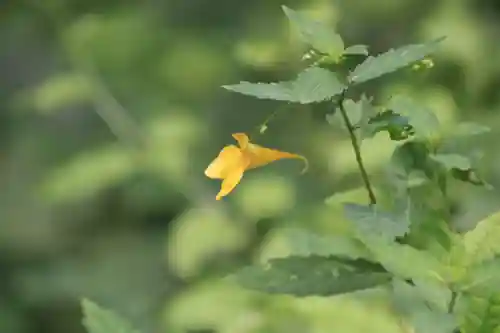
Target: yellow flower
233,161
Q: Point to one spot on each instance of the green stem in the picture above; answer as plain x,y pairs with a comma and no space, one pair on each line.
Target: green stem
269,118
453,302
357,151
451,307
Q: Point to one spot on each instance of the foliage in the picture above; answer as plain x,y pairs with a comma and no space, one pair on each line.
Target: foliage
391,61
99,320
311,86
317,35
427,282
410,303
398,247
312,275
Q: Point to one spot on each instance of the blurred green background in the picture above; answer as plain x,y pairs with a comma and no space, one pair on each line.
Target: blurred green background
111,111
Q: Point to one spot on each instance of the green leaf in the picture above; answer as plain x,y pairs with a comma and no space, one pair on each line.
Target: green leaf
315,85
458,139
429,230
357,49
482,279
413,156
370,220
309,276
396,125
87,174
99,320
318,35
470,129
305,243
483,242
405,261
409,303
423,120
410,156
63,90
368,112
482,314
470,176
368,122
281,91
354,110
354,113
452,161
392,60
459,166
437,295
311,86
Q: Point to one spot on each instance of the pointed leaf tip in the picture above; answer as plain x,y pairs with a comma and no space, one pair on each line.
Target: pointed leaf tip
99,320
317,35
392,60
286,9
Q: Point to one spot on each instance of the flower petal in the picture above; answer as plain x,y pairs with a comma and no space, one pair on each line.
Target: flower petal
229,158
260,156
242,139
230,182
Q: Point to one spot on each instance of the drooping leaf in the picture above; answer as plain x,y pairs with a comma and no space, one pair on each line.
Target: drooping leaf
99,320
460,168
409,303
459,139
308,276
470,129
357,49
483,242
470,176
452,161
311,86
396,125
423,120
318,35
411,155
305,243
370,220
392,60
481,314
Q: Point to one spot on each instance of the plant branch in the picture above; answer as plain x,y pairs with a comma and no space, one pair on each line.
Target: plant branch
451,307
357,151
453,302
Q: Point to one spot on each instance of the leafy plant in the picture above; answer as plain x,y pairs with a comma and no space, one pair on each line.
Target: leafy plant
99,320
405,246
461,264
